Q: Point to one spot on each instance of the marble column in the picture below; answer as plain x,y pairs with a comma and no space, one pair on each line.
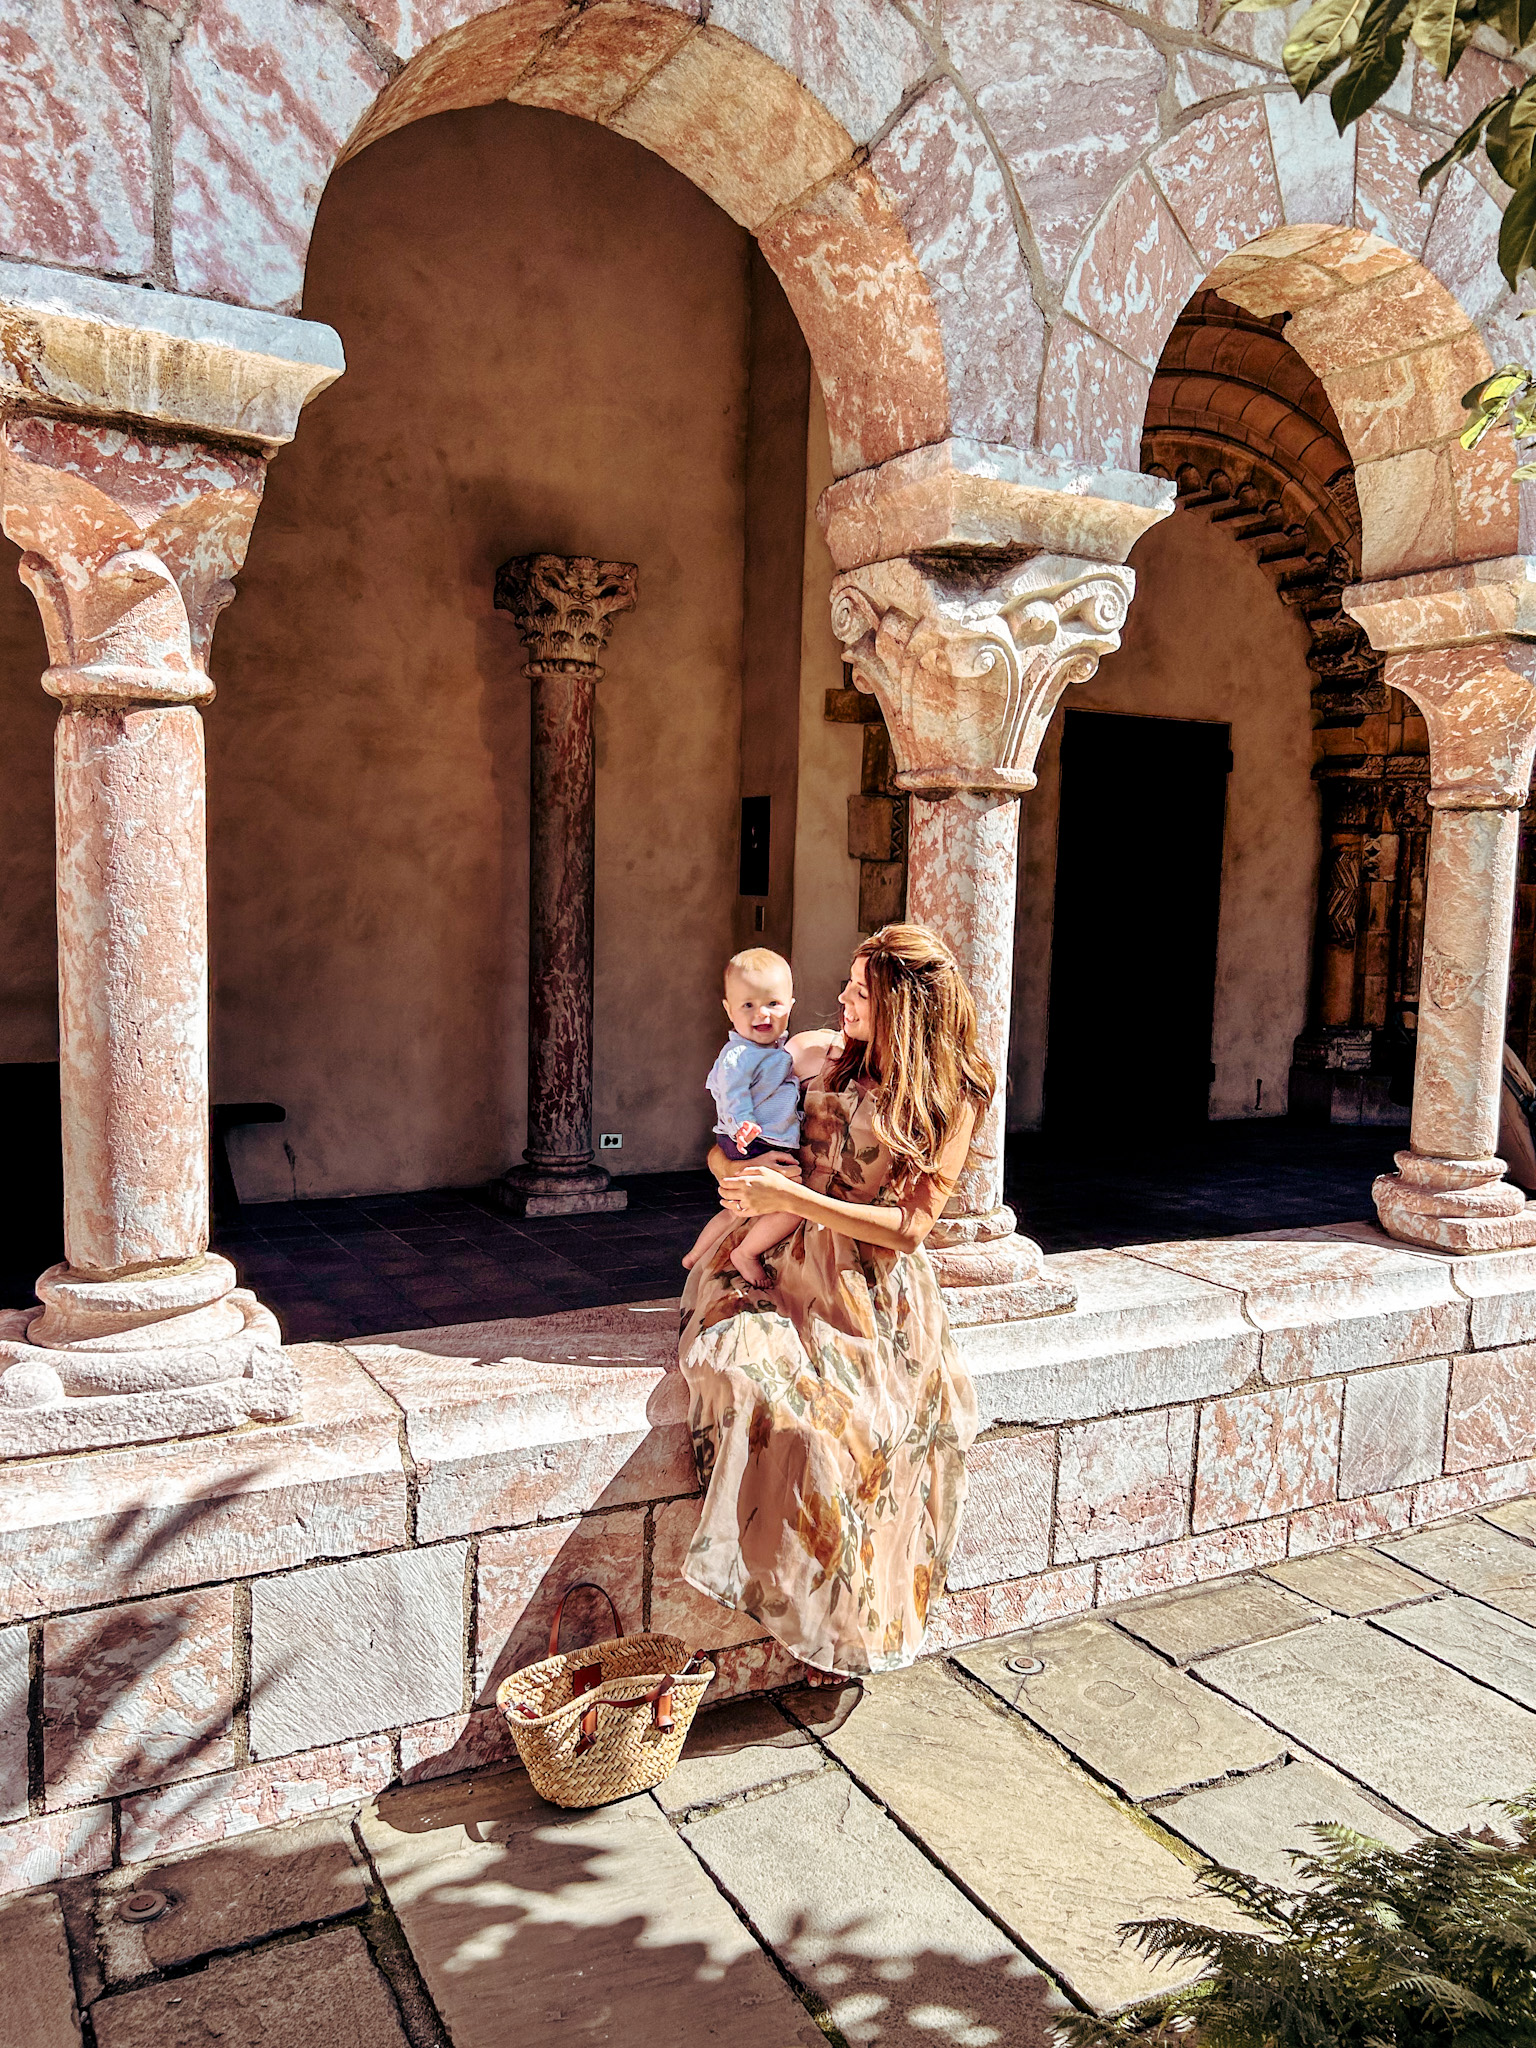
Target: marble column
969,663
1460,644
131,528
564,606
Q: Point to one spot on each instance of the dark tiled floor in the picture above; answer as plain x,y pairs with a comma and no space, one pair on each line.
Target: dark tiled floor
358,1267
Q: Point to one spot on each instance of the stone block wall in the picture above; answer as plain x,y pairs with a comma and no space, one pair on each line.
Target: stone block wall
202,1638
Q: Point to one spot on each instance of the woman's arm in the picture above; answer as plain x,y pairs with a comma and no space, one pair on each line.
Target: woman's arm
723,1169
754,1191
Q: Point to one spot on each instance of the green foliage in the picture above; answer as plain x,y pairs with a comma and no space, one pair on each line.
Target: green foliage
1428,1947
1363,42
1507,398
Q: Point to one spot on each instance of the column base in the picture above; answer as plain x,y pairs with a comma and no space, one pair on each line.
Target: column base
1454,1205
990,1273
558,1191
139,1360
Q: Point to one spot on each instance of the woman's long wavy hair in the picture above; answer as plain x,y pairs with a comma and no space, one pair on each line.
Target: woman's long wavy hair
924,1055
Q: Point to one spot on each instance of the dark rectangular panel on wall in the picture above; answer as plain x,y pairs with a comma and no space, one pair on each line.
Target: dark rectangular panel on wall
1138,899
756,844
778,407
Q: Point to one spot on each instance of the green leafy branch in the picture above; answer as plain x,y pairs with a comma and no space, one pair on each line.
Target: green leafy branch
1433,1946
1364,43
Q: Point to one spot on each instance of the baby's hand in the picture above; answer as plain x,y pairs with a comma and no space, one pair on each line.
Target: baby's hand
747,1132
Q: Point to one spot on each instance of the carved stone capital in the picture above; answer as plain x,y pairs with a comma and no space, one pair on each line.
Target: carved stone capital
129,544
1479,703
564,606
968,495
968,666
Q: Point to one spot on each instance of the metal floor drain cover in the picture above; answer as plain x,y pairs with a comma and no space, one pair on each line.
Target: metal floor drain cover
1022,1666
139,1906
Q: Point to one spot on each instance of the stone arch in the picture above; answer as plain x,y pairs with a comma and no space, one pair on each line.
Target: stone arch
765,148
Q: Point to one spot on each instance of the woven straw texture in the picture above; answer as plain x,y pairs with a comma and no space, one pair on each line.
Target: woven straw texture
628,1752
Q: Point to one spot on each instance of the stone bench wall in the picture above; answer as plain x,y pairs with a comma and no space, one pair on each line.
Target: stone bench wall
205,1637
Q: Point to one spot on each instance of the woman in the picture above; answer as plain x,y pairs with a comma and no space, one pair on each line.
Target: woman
830,1412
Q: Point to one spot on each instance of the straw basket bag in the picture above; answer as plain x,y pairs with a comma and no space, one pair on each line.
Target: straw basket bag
599,1723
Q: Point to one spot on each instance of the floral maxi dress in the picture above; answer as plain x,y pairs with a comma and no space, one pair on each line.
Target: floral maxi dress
830,1416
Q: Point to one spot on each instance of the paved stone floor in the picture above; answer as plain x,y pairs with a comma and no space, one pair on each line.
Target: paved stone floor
356,1268
940,1860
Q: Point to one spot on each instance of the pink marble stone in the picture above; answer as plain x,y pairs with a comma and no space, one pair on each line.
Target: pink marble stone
1072,118
859,57
1493,1408
1218,175
199,1810
1402,308
460,62
868,317
677,1609
1407,401
15,1683
1093,399
1394,1427
530,1428
74,139
522,1574
136,1694
52,1846
1452,102
987,1611
1210,75
265,94
947,186
1335,1523
1005,1532
476,1741
602,55
743,130
1313,162
1264,1454
1124,1483
1389,156
1135,275
1187,1563
75,1532
1438,1499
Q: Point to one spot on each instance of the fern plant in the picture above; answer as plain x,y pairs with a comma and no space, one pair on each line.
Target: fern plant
1428,1947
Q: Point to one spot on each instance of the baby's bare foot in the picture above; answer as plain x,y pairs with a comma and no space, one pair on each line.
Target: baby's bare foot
750,1267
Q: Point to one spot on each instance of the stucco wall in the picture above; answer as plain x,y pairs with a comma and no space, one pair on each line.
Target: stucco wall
546,335
1207,638
826,880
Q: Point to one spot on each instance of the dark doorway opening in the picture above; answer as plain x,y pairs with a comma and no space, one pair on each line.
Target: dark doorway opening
1138,897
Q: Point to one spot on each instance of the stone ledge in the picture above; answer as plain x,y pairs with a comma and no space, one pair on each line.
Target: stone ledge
1328,1300
104,1526
1139,1337
520,1421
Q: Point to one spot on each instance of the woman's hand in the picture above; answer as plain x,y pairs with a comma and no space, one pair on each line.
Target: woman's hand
757,1190
787,1163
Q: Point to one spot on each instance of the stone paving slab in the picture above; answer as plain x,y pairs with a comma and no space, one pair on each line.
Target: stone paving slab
1352,1582
1196,1622
226,1897
900,1956
736,1750
1517,1516
1434,1743
529,1924
322,1993
1487,1645
1119,1707
1472,1558
1254,1822
37,1992
1059,1861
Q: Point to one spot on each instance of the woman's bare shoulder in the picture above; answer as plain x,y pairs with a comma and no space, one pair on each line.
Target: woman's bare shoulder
810,1050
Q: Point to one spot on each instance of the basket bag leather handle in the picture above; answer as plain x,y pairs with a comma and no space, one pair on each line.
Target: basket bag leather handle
581,1586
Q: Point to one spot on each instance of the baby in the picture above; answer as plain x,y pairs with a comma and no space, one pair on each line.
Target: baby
757,1097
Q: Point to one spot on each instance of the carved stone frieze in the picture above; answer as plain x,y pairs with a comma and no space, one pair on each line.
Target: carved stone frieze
969,663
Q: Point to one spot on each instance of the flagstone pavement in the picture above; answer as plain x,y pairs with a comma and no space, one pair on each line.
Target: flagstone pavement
941,1857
